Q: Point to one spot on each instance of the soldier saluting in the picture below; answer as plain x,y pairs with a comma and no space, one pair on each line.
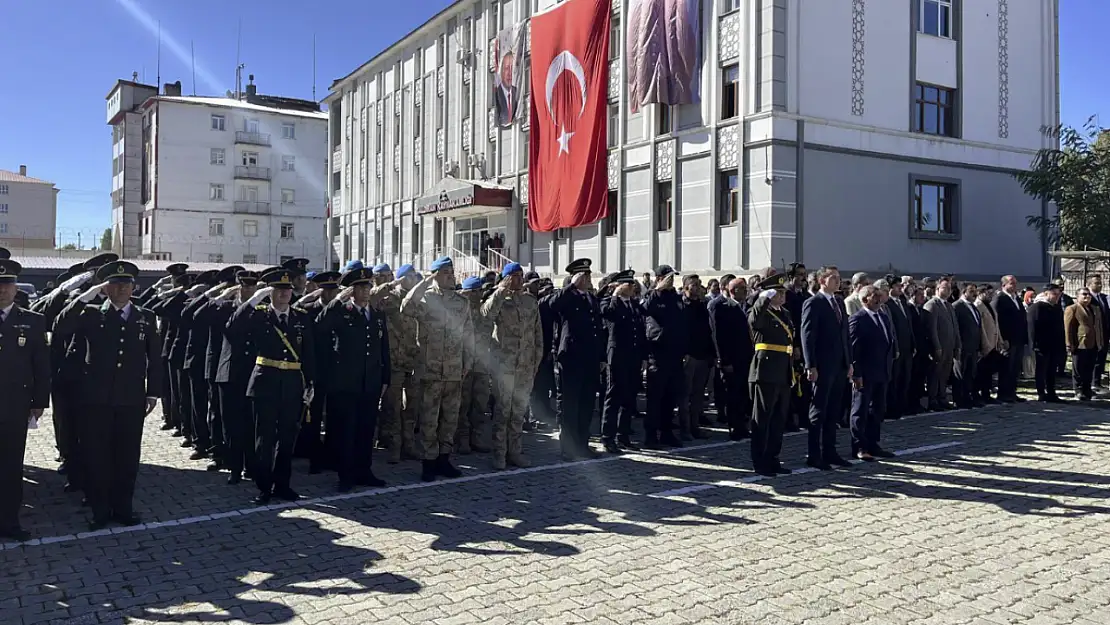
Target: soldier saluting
121,385
281,382
25,388
771,374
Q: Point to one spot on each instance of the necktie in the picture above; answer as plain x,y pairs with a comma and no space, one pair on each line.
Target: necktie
975,313
836,309
3,316
366,314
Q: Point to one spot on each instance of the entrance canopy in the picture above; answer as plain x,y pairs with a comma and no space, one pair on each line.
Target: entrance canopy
459,198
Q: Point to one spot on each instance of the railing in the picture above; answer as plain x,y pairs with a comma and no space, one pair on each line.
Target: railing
465,265
496,260
252,173
253,138
337,158
251,207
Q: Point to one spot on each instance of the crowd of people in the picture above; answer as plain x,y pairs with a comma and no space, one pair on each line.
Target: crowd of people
254,369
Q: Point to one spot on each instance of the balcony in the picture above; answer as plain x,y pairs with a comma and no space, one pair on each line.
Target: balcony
253,138
250,172
337,158
250,207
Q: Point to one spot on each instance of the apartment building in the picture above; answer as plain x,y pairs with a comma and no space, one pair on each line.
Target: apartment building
871,134
28,212
217,179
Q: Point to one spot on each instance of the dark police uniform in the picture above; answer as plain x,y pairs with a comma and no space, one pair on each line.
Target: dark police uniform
24,386
310,445
285,365
195,339
626,351
170,311
237,355
667,338
728,322
578,355
361,370
123,371
771,377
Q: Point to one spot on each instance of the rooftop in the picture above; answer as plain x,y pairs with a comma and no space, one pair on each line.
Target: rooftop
11,176
61,263
237,104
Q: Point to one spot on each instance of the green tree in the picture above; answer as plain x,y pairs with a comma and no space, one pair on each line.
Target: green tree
69,246
106,239
1075,177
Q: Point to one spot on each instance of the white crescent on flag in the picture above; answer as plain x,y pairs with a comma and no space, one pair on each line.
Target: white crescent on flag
564,62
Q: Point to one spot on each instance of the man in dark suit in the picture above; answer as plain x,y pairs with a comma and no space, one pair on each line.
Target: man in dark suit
121,385
728,322
897,311
1046,330
233,371
872,346
1100,299
626,354
1013,326
506,96
25,387
970,325
825,348
945,338
667,337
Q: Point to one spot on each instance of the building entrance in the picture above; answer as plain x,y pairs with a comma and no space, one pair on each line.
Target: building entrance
476,236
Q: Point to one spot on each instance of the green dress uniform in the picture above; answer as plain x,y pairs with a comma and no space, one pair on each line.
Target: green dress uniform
24,386
770,377
123,371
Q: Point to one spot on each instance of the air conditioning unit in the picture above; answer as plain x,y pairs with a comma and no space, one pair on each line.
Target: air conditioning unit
472,160
450,167
462,57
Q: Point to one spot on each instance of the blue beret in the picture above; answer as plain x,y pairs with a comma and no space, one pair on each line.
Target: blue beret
442,262
382,268
310,275
403,271
471,283
510,269
353,264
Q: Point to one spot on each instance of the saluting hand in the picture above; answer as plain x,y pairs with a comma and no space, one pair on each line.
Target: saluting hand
581,281
346,294
230,293
92,292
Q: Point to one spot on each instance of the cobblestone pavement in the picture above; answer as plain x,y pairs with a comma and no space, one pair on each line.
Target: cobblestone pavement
993,516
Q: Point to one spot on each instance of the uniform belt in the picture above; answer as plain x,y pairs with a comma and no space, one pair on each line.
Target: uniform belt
277,364
767,347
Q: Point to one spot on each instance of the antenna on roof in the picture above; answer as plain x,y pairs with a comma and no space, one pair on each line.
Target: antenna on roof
238,65
158,80
313,67
193,65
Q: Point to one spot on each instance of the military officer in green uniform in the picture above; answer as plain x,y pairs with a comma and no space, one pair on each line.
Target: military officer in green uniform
771,375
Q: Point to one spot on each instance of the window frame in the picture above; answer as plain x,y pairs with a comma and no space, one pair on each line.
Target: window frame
292,196
949,25
613,121
254,224
730,88
217,122
216,258
4,209
291,127
282,231
3,189
3,227
954,187
216,192
920,104
216,227
288,162
612,219
659,202
664,119
217,157
250,259
728,200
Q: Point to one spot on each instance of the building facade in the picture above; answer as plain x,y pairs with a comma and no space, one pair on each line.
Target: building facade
28,212
871,134
222,180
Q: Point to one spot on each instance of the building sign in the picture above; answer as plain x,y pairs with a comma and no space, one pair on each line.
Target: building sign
447,201
464,195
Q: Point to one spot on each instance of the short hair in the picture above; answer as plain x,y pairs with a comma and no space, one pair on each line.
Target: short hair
969,286
859,277
690,280
1081,290
867,292
1095,276
882,285
825,271
943,280
986,286
907,279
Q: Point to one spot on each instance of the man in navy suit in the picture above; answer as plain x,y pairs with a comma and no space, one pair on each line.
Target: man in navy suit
825,348
872,345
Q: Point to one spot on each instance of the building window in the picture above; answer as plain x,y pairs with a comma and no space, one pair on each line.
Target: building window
288,163
3,209
3,189
250,259
934,208
562,234
252,126
287,196
3,227
250,228
250,159
615,38
614,125
215,192
611,218
934,110
215,227
218,122
216,156
464,105
936,18
730,92
664,207
215,258
288,130
663,119
728,6
286,230
728,208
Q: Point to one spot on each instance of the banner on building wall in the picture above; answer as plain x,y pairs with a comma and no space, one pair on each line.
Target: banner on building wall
663,52
568,181
508,71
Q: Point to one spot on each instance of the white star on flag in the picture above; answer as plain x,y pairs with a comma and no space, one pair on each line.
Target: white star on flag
564,139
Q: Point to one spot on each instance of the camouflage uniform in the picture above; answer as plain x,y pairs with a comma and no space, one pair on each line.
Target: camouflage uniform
517,351
476,387
446,332
398,418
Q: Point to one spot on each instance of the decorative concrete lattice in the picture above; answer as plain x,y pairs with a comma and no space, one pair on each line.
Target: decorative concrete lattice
728,37
441,146
664,160
728,147
614,169
859,32
1003,69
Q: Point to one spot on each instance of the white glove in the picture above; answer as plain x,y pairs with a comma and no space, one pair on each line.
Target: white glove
196,289
769,293
91,293
214,291
70,286
346,294
170,293
309,393
260,295
230,293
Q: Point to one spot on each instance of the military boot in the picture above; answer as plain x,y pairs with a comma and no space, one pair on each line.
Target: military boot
428,473
518,460
444,467
394,454
462,446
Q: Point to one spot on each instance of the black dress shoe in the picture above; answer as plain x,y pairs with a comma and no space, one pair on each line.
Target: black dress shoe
654,445
187,443
96,525
781,470
738,435
84,502
670,441
837,461
879,452
70,488
626,444
345,487
234,479
263,499
214,467
166,426
445,468
63,468
819,464
372,481
588,454
16,533
286,494
177,433
428,471
765,471
127,520
199,454
611,447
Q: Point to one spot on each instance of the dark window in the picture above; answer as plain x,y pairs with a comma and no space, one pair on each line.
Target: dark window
934,110
663,118
730,92
664,207
611,217
936,18
613,128
934,208
728,208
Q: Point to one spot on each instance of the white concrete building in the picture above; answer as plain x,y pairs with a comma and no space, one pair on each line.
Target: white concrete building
215,179
871,134
28,211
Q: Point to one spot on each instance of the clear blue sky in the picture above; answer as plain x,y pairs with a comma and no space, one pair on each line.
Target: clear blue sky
60,58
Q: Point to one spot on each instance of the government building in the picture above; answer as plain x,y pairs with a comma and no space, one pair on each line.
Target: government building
876,135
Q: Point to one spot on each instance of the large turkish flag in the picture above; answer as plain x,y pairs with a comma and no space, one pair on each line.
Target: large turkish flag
567,152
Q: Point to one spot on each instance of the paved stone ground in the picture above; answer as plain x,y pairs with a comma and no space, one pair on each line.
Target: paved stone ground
995,516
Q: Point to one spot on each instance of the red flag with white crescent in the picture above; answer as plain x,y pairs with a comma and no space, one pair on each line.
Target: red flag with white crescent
568,180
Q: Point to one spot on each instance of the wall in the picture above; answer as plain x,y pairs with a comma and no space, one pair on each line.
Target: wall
191,242
31,217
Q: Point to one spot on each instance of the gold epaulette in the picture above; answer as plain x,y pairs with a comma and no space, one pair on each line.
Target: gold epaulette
299,309
262,307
